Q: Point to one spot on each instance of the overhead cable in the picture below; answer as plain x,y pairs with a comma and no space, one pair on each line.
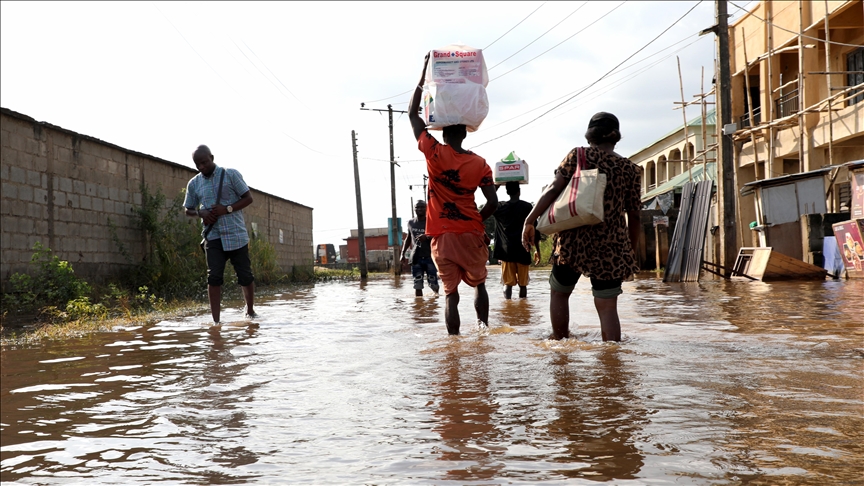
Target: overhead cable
225,81
496,40
538,38
517,25
612,74
793,32
558,44
598,79
274,75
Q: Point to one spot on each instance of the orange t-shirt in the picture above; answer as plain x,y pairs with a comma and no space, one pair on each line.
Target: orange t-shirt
453,179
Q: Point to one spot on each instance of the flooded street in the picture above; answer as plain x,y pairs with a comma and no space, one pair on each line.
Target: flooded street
349,383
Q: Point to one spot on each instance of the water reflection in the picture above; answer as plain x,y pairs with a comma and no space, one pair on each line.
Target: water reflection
145,400
426,310
471,439
357,383
599,416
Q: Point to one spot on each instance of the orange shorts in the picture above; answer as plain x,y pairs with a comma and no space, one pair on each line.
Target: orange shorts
513,273
460,257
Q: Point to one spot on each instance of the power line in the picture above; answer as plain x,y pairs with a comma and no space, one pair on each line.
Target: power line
630,78
195,50
511,28
226,82
793,32
558,44
274,75
613,74
598,80
541,35
496,40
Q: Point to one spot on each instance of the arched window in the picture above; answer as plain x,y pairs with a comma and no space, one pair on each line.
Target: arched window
650,176
674,165
661,169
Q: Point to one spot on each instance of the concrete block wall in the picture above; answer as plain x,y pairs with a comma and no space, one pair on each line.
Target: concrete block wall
65,190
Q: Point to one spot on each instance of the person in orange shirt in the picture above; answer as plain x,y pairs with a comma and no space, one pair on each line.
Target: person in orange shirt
459,241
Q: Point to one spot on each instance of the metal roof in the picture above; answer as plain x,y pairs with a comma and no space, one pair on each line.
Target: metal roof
710,120
750,187
677,182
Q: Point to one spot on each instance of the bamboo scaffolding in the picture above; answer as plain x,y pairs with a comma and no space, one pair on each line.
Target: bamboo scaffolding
686,134
819,106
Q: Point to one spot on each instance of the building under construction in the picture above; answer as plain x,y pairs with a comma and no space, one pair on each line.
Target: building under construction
797,97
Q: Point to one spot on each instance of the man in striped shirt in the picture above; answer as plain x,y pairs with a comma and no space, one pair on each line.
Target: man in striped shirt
227,239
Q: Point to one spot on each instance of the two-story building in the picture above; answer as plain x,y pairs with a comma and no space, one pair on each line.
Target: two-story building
797,100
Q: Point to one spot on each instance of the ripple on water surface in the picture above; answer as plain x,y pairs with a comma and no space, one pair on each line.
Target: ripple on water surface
346,383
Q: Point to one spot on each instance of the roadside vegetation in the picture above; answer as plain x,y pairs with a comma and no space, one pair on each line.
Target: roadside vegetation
51,301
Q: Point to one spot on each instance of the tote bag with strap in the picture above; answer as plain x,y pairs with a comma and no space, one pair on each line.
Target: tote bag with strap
579,204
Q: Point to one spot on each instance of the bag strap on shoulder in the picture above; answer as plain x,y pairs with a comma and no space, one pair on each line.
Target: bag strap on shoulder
218,198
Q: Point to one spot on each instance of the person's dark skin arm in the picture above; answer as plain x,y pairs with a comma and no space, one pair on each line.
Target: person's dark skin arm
546,199
536,245
207,216
491,202
417,123
245,200
211,215
405,246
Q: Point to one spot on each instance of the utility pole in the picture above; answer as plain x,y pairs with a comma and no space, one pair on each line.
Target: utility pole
394,224
727,188
361,234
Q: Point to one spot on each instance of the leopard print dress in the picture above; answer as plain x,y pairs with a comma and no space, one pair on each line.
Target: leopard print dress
602,251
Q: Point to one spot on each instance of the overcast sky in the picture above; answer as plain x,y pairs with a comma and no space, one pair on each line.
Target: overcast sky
274,88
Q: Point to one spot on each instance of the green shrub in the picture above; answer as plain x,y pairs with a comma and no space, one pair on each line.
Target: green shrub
174,265
265,266
53,283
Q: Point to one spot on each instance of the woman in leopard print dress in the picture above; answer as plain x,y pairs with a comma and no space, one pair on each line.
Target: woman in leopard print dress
605,251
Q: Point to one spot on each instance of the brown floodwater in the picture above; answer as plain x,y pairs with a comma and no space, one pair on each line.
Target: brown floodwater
351,383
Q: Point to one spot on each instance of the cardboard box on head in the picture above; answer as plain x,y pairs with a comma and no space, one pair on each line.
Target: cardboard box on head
510,168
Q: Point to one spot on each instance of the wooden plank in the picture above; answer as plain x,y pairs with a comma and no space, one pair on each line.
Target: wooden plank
767,264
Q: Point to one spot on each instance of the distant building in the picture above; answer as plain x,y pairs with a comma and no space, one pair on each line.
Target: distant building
668,156
376,246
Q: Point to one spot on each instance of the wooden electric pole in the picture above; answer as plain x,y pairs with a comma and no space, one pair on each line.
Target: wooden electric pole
361,234
728,191
394,224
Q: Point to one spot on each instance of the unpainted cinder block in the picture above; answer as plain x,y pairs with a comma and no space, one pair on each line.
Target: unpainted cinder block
25,193
40,196
17,175
10,191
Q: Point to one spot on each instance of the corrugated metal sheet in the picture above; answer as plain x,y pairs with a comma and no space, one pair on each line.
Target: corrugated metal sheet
688,240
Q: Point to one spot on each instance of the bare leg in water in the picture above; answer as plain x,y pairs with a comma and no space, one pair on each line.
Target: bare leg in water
481,304
451,309
610,325
559,313
214,293
451,313
249,297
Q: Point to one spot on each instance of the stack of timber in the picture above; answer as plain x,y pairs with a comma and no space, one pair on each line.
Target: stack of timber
763,263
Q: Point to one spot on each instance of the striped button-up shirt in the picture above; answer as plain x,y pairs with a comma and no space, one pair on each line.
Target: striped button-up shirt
201,193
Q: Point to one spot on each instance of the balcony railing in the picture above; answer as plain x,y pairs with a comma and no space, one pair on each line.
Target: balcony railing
744,121
787,104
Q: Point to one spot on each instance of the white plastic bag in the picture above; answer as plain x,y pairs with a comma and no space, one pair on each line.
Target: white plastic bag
454,92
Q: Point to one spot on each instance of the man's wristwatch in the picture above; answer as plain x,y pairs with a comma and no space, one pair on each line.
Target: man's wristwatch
230,209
